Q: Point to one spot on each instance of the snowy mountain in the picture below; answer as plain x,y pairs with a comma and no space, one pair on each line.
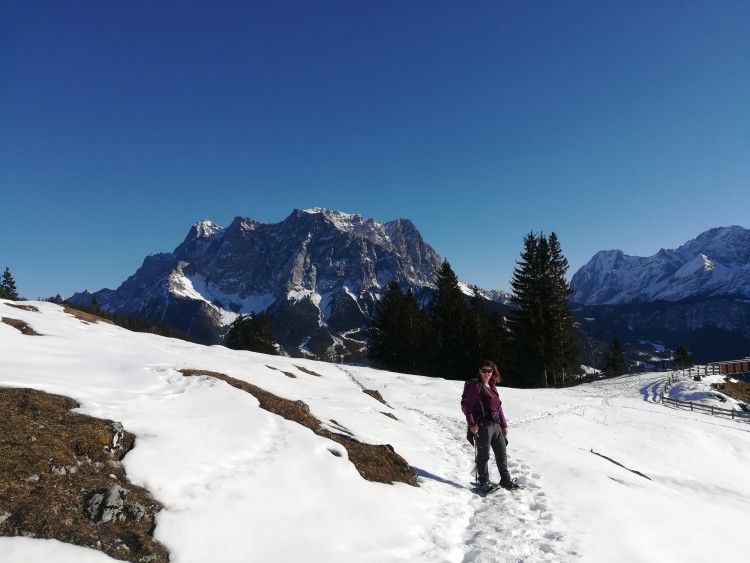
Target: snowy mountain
716,263
697,295
318,275
611,474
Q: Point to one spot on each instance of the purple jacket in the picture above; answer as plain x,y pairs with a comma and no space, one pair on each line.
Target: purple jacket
480,402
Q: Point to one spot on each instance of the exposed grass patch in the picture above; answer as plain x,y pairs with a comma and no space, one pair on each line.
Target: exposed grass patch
375,463
738,390
84,316
61,478
376,395
308,371
287,373
389,415
20,325
31,308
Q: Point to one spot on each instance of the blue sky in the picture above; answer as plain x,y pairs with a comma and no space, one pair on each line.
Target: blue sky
614,124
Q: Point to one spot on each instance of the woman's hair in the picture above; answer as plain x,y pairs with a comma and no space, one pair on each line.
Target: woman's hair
496,378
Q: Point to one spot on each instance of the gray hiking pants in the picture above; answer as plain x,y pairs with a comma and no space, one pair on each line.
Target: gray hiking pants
491,436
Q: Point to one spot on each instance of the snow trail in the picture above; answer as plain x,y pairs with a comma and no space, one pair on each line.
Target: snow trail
504,526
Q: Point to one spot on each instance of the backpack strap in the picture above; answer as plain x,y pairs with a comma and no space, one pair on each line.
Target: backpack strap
479,397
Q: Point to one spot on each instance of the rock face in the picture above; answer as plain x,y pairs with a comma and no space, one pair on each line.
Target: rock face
106,506
318,275
716,263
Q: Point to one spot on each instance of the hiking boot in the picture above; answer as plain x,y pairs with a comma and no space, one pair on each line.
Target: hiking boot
511,485
485,486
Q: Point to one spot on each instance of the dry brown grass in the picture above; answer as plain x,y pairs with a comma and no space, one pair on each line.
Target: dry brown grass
24,307
738,390
83,316
375,463
20,325
375,395
307,371
53,461
287,373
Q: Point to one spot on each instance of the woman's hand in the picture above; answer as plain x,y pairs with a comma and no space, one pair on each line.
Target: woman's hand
474,429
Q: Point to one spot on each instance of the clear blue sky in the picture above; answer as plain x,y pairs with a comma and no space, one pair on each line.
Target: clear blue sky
614,124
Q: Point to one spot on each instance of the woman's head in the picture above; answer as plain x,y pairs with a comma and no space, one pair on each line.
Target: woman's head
490,368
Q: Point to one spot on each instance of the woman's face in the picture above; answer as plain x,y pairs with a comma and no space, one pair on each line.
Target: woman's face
485,372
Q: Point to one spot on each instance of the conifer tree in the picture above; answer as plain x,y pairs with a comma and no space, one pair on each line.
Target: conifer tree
8,286
397,335
383,339
253,333
564,348
543,341
615,363
527,362
449,320
682,357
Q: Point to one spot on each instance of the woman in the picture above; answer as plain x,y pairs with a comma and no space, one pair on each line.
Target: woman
484,415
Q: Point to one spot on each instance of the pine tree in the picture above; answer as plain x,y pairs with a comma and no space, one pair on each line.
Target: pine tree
682,357
383,346
449,320
8,287
564,348
526,322
386,348
253,333
615,363
415,331
397,334
543,339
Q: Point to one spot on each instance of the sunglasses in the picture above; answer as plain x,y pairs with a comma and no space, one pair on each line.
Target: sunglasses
487,370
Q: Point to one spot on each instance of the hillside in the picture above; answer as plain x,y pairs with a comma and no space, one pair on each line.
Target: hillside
240,483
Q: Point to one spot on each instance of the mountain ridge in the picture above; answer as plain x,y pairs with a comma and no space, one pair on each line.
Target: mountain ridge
318,275
716,262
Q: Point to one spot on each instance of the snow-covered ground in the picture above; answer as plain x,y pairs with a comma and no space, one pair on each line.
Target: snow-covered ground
240,484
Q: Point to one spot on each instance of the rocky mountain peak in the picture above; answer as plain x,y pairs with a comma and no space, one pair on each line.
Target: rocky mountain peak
318,275
715,263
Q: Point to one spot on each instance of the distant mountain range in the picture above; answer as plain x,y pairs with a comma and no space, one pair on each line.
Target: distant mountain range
716,263
698,295
319,273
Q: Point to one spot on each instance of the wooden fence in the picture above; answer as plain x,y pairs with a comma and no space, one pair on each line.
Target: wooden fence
706,408
698,406
697,371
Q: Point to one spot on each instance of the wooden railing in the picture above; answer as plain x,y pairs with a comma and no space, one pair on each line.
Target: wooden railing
706,408
693,371
698,406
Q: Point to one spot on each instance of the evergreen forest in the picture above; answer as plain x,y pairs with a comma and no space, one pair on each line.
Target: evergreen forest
534,344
